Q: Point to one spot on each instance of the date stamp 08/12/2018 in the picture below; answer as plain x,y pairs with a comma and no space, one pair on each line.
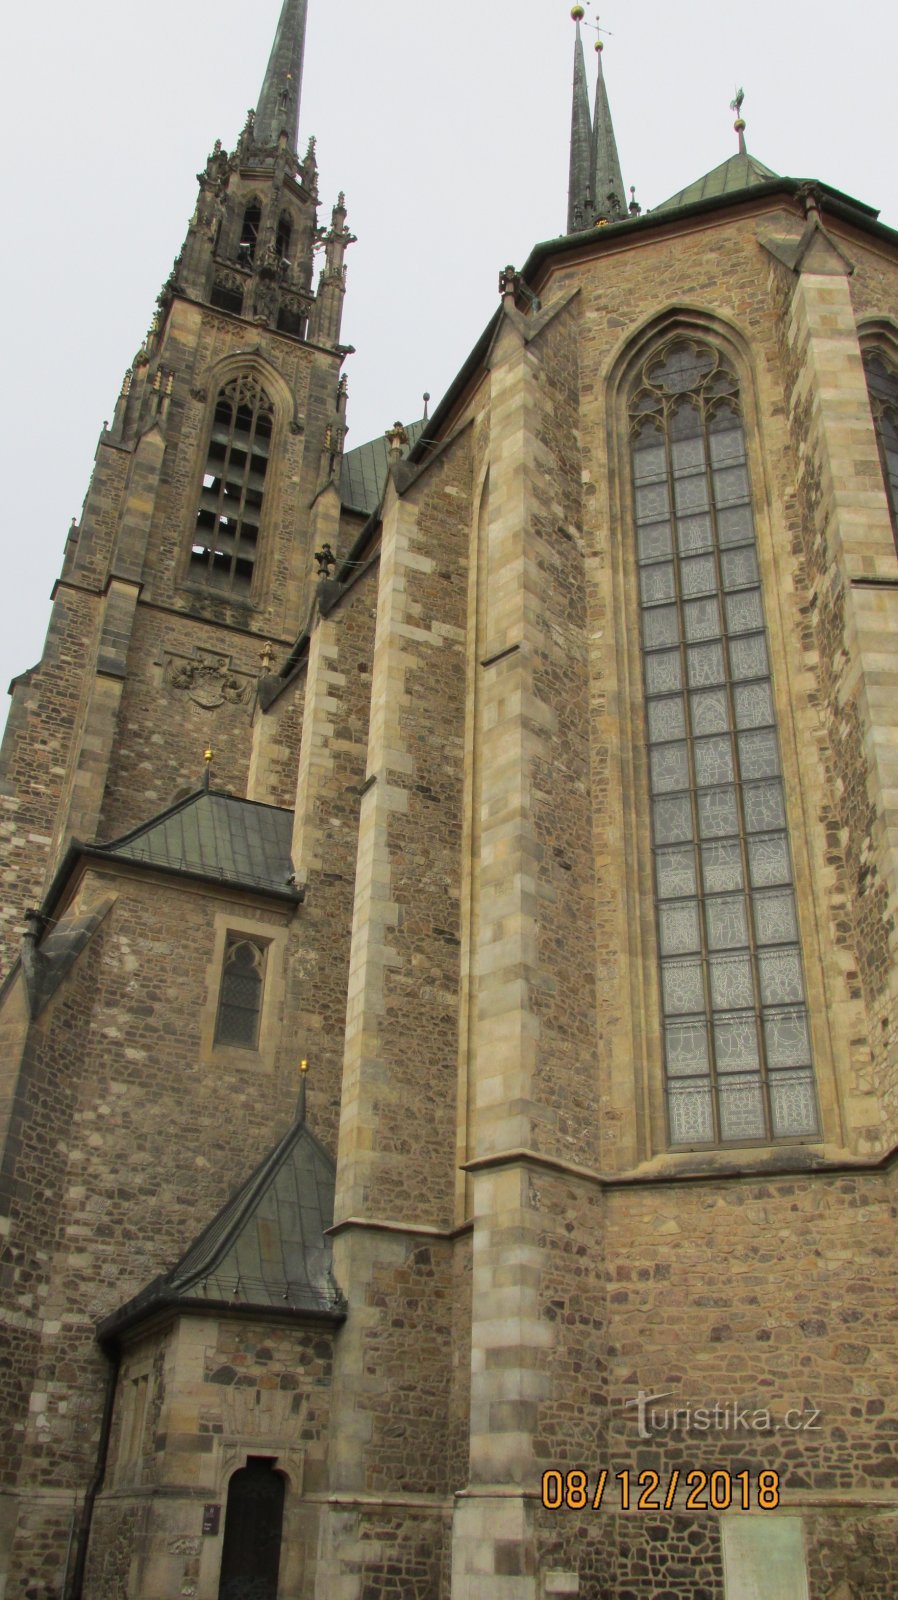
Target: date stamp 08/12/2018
578,1490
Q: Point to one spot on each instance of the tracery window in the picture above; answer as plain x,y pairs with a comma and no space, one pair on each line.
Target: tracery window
249,232
736,1037
226,535
240,996
882,385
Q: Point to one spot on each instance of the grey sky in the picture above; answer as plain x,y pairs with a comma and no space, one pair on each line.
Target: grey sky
446,126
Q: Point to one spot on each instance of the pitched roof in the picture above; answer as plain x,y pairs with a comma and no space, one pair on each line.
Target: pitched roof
740,172
266,1249
364,474
214,835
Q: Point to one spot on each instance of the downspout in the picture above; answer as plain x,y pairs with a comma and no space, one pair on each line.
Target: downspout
75,1589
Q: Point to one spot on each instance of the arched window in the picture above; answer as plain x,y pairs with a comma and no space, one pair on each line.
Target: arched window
882,384
249,233
240,997
736,1038
284,235
226,535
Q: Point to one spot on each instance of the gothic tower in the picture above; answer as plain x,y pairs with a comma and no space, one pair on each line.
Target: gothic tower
449,1148
193,556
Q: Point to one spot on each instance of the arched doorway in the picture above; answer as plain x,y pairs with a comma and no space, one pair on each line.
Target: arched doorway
251,1553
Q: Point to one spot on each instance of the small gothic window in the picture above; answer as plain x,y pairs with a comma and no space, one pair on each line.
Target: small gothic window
735,1024
882,384
240,998
284,235
249,233
226,297
226,535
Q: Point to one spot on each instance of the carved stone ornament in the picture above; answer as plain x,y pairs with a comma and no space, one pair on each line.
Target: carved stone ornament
207,678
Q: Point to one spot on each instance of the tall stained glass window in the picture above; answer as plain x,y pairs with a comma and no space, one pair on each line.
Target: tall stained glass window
736,1038
882,385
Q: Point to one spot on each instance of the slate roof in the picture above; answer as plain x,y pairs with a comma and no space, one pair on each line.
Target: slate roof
217,836
266,1249
740,172
364,472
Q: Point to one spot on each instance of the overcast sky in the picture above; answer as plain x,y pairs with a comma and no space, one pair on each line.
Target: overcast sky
447,126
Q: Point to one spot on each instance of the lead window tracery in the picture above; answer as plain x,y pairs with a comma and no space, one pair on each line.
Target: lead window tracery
882,387
736,1038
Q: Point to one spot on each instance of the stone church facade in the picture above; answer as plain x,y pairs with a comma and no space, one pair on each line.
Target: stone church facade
549,816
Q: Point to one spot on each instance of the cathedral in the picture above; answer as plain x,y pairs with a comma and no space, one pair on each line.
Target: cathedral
449,1071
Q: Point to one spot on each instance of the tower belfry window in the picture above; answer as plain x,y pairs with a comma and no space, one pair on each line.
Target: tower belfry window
882,386
249,233
226,535
734,1019
284,234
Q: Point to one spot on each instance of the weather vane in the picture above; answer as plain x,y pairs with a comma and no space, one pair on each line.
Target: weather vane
594,25
739,124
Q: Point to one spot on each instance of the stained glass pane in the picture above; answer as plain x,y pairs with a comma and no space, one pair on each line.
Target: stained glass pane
743,611
660,627
681,982
775,920
722,866
656,583
670,768
730,485
687,454
691,1120
758,757
702,619
780,976
787,1039
735,525
663,673
667,719
649,461
717,814
741,1109
768,861
673,820
710,712
748,657
691,495
687,1049
652,503
754,705
739,568
727,447
731,984
713,761
764,807
704,663
698,576
727,923
793,1105
654,541
736,1043
681,368
675,870
679,928
694,533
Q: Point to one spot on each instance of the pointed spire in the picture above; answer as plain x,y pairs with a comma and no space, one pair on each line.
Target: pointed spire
580,193
607,183
278,108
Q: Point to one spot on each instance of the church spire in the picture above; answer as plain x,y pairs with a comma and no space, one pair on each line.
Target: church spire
278,108
580,191
607,183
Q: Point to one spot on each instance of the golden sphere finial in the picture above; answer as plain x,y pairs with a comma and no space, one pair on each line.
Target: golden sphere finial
577,13
599,46
208,755
304,1066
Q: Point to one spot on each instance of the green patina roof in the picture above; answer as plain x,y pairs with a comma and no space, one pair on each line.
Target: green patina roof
266,1249
364,474
740,172
217,836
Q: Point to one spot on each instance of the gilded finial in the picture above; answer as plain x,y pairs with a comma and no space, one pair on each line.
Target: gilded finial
577,13
304,1066
208,755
